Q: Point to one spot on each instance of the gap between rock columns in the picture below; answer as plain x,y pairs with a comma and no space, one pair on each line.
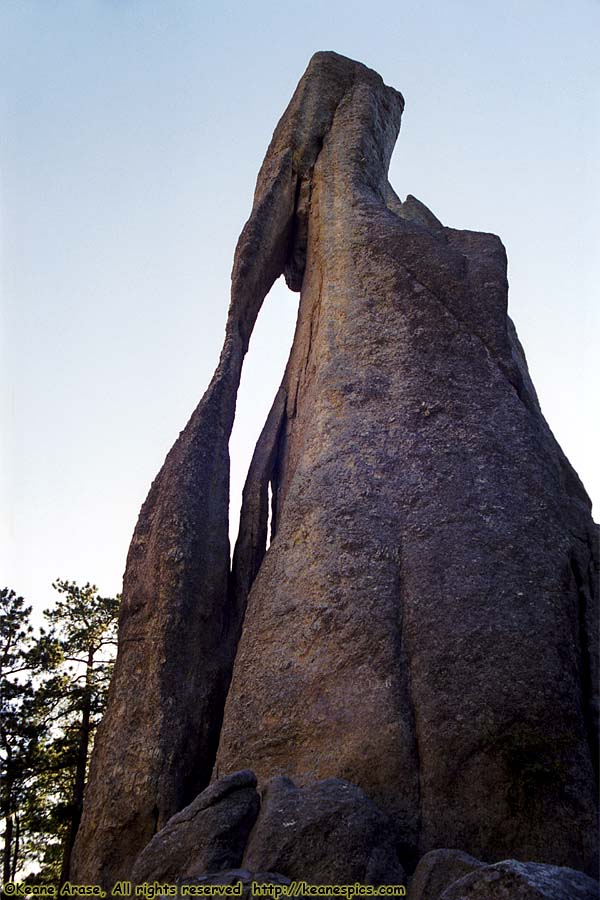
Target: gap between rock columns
180,622
424,622
417,626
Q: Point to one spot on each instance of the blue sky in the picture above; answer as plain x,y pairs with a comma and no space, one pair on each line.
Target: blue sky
132,133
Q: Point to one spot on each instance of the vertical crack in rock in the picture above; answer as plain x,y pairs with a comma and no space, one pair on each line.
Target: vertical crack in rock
411,414
406,417
180,621
252,540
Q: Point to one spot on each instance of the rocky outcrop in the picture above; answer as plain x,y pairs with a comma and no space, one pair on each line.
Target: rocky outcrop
209,835
328,832
423,624
453,875
437,870
511,880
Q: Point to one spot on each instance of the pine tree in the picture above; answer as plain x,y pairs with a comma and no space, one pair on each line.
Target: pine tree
84,625
53,689
23,721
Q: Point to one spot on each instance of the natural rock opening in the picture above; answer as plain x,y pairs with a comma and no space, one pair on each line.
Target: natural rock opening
411,631
262,374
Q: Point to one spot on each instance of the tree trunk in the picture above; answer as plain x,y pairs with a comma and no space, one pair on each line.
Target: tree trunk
8,836
82,756
17,842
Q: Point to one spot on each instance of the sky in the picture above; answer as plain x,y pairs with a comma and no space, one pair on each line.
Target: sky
131,133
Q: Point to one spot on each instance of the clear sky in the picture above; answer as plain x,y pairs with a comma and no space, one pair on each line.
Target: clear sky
131,135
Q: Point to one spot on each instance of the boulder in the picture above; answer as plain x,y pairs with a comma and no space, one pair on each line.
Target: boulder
512,880
437,870
328,832
209,835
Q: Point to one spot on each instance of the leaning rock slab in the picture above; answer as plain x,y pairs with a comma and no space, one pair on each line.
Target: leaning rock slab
328,832
180,622
209,835
512,880
437,870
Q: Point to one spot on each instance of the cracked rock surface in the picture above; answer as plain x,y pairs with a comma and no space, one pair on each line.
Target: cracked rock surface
328,832
437,870
424,621
511,880
209,835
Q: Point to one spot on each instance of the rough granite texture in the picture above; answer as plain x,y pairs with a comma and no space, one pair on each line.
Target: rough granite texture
328,832
209,835
437,870
424,621
422,624
512,880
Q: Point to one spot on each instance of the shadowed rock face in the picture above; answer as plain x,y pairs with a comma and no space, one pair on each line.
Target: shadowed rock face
423,622
329,830
180,617
510,879
209,835
437,870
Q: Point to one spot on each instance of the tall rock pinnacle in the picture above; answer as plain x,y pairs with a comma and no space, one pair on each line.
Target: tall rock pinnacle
423,623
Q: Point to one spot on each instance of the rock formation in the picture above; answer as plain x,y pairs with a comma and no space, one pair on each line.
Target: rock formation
329,828
209,835
452,875
525,881
423,624
438,870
